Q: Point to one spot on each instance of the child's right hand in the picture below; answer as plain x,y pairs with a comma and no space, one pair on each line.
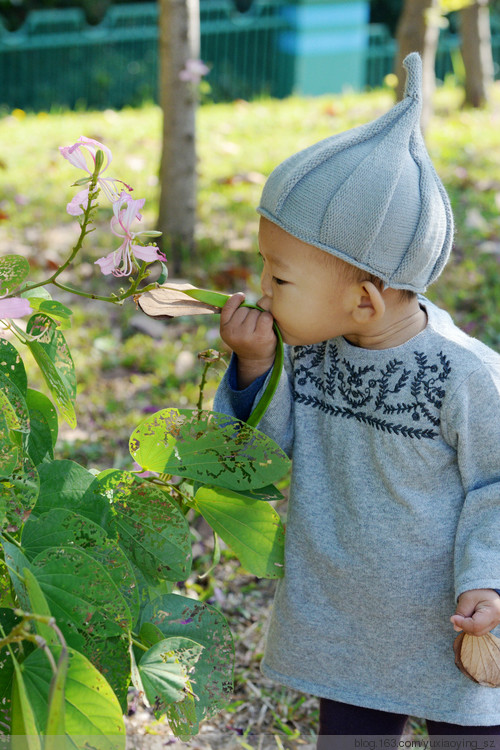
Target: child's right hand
249,333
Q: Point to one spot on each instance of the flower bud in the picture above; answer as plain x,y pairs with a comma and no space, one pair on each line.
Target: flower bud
99,160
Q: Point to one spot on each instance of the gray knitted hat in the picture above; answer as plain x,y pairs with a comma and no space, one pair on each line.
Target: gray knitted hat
370,196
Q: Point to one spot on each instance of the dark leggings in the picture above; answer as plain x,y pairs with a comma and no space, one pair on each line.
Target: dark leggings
341,719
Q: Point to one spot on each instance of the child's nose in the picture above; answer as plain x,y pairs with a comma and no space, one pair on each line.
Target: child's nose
266,283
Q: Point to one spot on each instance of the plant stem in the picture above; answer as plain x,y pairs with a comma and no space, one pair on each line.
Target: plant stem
139,644
83,232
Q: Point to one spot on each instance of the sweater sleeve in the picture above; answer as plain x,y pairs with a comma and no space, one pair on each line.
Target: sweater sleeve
473,426
277,422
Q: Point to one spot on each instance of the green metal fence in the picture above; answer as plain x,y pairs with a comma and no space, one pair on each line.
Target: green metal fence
57,60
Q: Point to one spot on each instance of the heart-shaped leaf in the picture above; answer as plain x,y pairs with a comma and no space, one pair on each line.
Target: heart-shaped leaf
176,615
208,447
166,669
250,527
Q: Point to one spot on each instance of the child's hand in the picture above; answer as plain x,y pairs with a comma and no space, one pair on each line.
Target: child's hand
250,335
478,611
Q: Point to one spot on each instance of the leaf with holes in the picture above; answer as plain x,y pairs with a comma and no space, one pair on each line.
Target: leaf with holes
81,596
12,366
176,615
64,528
166,669
207,447
53,357
17,416
8,456
13,271
19,491
149,525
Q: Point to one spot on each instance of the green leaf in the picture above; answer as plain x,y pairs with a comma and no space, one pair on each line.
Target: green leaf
250,527
39,439
17,562
19,491
110,656
182,718
12,366
176,615
39,293
38,402
149,525
13,271
55,725
64,528
8,459
81,596
54,310
207,447
54,360
165,671
7,621
39,606
17,417
93,717
266,494
66,484
150,634
23,716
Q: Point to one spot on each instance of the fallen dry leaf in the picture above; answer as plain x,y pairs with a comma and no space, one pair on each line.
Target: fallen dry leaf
478,657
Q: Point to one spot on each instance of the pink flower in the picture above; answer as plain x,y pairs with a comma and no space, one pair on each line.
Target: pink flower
193,71
121,262
14,307
82,154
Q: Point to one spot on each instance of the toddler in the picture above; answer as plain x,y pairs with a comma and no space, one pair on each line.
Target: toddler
391,416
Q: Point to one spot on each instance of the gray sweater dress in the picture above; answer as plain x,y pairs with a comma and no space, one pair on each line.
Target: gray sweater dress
394,511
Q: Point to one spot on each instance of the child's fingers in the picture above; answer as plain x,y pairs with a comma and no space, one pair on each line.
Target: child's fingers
479,624
230,307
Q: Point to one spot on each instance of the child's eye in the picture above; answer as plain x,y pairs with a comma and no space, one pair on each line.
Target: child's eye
278,281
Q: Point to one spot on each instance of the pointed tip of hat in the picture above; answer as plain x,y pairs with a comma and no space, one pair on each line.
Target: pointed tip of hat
413,65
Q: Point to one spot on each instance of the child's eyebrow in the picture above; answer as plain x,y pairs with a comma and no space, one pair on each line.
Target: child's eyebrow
277,262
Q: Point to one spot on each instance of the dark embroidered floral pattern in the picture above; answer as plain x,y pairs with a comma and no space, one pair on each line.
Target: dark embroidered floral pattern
345,390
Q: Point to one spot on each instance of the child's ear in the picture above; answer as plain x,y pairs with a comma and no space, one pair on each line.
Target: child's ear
369,303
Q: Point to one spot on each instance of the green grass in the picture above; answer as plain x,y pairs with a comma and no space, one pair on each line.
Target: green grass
124,373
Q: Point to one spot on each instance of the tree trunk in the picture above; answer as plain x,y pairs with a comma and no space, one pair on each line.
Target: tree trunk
179,42
416,33
476,52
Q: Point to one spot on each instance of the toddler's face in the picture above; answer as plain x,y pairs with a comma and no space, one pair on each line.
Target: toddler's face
304,291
